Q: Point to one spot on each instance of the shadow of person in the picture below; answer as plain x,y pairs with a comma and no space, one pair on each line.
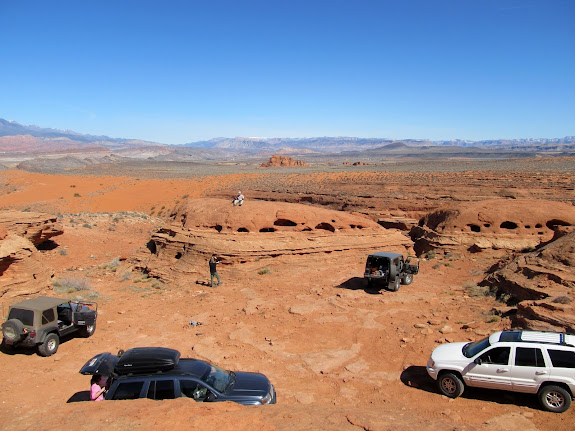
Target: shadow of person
358,283
79,396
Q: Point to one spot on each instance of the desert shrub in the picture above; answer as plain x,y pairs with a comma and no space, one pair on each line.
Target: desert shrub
265,270
63,252
437,265
562,300
70,285
474,290
87,226
185,196
504,298
430,255
126,276
77,195
492,319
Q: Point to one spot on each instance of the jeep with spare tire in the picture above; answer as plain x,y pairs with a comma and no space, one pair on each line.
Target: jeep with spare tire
41,322
389,270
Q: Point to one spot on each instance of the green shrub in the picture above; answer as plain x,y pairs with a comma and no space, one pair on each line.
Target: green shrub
265,270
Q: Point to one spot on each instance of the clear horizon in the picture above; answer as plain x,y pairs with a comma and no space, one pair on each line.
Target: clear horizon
185,71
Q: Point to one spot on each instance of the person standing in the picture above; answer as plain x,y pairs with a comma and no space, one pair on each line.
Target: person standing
214,270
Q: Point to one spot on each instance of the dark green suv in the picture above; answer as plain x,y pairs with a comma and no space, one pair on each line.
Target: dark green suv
41,322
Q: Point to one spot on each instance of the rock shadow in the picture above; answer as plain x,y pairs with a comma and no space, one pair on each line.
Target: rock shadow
358,283
416,377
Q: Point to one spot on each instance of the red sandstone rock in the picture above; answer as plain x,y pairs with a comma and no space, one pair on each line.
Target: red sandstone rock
277,160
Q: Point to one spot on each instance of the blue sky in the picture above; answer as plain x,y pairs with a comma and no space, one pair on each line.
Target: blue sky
179,71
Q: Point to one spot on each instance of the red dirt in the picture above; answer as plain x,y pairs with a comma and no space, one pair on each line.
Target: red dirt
340,358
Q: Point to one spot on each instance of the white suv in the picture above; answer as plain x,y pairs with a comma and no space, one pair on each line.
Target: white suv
532,362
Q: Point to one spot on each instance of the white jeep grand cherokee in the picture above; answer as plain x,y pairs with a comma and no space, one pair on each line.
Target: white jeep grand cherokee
532,362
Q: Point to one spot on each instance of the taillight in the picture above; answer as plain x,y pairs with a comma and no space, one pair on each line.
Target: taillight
32,334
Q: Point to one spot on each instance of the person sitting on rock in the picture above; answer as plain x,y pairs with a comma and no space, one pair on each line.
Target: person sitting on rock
239,199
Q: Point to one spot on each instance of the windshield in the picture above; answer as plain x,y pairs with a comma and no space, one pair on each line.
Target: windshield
472,349
24,316
217,378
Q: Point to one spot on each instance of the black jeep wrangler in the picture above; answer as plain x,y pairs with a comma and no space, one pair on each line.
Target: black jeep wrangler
41,322
385,269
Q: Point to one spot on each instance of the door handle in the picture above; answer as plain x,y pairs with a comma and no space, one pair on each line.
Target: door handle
503,370
539,373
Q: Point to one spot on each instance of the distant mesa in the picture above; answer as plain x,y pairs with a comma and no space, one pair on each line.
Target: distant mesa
283,161
499,224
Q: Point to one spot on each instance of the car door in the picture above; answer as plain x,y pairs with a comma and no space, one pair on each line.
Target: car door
490,369
528,370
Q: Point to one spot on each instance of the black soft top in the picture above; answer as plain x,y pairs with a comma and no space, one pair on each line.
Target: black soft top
387,254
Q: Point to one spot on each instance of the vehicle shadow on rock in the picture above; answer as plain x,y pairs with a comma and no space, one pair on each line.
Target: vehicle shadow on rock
417,377
358,283
79,397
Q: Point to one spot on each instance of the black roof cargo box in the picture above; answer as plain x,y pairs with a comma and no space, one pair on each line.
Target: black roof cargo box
147,360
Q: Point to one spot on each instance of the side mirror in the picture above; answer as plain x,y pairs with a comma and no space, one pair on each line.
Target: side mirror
210,397
478,361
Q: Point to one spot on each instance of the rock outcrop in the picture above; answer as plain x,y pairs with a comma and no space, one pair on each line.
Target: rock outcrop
22,271
277,160
507,224
542,282
257,230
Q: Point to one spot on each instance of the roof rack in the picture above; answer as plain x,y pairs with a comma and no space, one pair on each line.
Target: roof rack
546,337
147,360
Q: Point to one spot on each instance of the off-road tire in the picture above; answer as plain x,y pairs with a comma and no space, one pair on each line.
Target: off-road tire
554,398
87,331
395,286
407,279
50,345
450,385
13,330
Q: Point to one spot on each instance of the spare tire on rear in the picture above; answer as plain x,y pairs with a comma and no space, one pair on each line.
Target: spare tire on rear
13,330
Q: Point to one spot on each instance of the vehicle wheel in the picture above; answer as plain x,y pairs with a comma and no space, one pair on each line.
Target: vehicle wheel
554,398
13,330
407,279
87,331
395,285
450,385
50,345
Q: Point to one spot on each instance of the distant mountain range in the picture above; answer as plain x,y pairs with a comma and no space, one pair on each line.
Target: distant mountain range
339,144
16,138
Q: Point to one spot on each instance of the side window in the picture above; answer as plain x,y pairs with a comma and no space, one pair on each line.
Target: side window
529,357
497,355
192,389
48,316
562,358
161,390
128,391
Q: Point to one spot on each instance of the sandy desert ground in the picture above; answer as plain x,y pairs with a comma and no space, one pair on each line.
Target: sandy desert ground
340,357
